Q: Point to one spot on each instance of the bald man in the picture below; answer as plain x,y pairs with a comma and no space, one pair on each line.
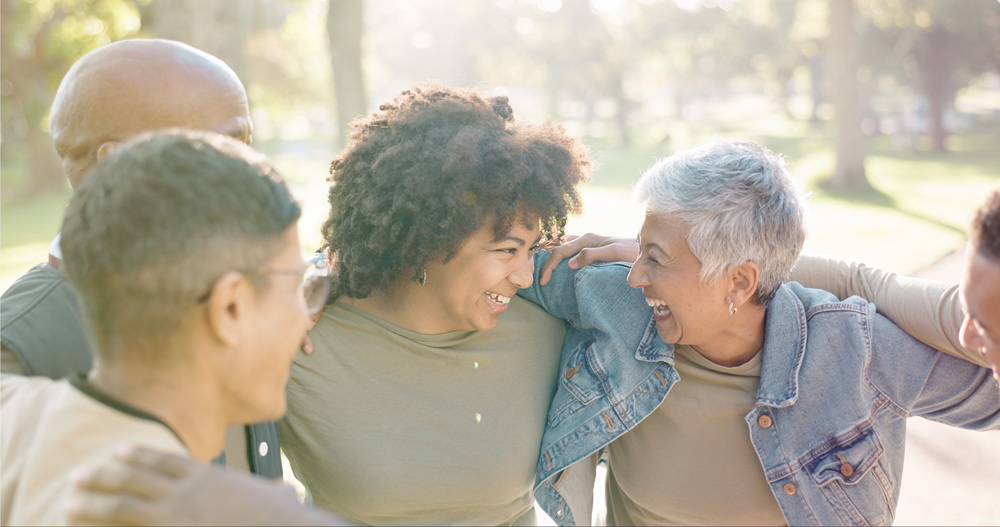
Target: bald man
110,95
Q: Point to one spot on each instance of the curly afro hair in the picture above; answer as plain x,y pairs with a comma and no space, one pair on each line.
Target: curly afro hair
985,233
418,177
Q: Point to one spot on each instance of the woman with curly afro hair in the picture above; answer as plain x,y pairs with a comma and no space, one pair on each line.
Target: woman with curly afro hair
425,399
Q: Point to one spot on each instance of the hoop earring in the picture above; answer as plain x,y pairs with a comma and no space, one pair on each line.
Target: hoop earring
423,277
732,309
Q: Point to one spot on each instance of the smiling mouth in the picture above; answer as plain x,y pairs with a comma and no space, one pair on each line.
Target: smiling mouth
660,309
498,302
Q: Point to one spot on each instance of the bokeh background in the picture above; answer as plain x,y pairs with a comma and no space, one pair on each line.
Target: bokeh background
888,111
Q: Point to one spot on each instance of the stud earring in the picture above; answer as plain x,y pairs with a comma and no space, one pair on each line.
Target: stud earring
732,309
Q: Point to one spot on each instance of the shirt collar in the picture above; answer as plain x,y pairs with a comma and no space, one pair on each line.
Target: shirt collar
55,252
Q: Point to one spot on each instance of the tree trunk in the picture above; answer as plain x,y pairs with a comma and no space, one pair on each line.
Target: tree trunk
845,93
217,27
935,68
345,27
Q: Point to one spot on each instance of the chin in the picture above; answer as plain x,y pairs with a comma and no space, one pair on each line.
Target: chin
488,325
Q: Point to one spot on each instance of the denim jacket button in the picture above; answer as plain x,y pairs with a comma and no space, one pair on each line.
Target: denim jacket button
789,489
765,421
559,513
571,372
847,470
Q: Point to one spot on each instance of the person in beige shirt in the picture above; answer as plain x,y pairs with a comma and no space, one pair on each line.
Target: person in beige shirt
110,95
194,316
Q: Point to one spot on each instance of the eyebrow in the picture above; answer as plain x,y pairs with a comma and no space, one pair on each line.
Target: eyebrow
517,240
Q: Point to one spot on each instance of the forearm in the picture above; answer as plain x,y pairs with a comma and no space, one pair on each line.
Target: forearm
929,310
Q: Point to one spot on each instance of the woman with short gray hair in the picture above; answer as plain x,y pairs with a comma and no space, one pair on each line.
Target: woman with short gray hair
786,405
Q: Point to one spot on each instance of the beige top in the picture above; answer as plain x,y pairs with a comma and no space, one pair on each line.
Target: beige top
51,428
388,426
691,461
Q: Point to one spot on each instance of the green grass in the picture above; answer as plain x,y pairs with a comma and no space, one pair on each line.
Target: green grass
917,210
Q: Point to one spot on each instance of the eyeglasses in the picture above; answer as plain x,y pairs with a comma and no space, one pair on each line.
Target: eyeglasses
315,285
314,288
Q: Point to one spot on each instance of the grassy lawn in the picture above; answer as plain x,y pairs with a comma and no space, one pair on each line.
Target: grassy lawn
919,209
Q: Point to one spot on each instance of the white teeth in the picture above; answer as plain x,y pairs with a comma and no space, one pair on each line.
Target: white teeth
654,302
500,299
659,306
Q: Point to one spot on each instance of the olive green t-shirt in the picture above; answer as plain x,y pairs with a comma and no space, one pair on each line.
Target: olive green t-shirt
388,426
691,461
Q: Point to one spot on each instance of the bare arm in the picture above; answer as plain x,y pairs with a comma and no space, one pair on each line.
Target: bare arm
145,487
930,310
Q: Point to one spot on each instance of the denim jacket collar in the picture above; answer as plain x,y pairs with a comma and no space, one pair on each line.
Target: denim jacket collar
651,348
784,334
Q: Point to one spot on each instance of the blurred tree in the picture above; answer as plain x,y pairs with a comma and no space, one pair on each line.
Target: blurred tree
219,27
845,93
937,47
39,41
345,29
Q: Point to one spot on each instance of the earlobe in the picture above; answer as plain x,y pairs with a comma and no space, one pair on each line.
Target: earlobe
226,307
106,149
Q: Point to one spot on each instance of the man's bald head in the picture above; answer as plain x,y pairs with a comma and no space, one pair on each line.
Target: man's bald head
134,86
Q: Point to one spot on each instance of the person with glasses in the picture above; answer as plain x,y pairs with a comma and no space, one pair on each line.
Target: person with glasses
184,250
108,96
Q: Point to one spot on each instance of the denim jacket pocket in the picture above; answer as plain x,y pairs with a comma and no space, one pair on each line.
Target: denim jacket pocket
852,479
577,377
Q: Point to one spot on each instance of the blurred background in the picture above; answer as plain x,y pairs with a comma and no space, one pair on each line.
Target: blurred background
888,111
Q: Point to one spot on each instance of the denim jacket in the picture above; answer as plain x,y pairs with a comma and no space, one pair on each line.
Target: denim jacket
832,451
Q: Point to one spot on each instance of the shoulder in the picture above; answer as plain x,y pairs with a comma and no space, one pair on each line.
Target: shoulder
40,288
22,396
818,301
41,323
607,281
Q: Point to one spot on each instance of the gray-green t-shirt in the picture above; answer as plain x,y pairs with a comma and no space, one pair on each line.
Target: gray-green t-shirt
388,426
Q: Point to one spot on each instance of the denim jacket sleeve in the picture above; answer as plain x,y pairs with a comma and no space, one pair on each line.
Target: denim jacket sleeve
558,297
931,384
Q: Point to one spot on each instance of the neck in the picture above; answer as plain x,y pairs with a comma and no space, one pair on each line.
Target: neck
180,397
403,305
740,341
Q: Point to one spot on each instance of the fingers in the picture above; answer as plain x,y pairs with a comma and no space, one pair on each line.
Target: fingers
307,345
169,465
570,247
107,509
615,252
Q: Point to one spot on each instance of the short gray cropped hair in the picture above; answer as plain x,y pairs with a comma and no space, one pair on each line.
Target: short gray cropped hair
740,204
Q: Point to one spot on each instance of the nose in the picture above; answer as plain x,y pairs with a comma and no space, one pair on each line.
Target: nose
523,275
637,277
969,336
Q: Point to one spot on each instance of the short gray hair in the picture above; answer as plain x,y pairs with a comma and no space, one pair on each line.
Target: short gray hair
739,203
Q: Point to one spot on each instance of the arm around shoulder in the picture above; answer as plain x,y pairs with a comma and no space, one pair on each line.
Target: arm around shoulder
928,383
929,310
